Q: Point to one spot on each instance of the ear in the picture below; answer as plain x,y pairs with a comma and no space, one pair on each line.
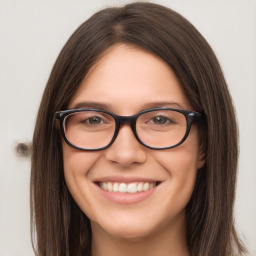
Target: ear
201,159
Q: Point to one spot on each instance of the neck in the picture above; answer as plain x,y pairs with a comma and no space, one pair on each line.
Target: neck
165,242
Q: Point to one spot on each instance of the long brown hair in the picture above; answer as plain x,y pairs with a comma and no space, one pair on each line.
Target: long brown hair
59,227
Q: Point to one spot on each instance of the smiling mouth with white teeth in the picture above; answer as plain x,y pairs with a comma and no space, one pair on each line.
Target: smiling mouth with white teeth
133,187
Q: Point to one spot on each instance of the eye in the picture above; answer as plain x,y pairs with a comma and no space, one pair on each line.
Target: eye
94,120
160,120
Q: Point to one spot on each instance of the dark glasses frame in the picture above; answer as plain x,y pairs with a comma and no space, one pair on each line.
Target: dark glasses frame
191,116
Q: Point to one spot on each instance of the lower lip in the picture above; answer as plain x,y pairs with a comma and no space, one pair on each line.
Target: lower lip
126,198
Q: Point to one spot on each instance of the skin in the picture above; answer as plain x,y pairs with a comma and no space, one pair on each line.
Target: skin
127,80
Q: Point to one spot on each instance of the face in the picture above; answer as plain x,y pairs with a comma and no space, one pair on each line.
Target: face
124,81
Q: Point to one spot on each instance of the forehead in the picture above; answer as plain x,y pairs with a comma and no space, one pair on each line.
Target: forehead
126,77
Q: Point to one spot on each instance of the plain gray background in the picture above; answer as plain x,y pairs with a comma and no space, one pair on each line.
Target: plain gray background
32,32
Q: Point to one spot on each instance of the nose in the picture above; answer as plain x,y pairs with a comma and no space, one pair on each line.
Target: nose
126,150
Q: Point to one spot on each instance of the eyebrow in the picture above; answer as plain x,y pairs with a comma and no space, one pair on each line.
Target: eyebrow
105,106
161,104
92,105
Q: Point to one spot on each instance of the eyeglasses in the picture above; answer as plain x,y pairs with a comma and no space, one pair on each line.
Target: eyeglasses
155,128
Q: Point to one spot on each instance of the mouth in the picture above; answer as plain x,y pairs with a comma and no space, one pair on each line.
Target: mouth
127,188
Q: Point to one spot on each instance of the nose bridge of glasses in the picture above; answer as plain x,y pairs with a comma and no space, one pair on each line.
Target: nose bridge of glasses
127,120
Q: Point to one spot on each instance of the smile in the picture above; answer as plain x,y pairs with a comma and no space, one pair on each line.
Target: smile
133,187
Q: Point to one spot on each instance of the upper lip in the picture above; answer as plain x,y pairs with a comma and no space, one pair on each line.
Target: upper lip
125,179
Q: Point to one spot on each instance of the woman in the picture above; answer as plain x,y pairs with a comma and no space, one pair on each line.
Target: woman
135,145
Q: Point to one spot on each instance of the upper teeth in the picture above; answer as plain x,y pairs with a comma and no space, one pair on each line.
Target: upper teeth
127,187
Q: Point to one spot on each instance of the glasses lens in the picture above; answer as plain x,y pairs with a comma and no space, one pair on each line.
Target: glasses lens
89,129
161,128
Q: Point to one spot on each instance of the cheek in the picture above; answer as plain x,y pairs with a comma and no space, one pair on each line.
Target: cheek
77,165
183,160
181,164
78,162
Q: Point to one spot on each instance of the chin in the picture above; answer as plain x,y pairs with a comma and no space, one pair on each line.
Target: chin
132,233
124,228
130,228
